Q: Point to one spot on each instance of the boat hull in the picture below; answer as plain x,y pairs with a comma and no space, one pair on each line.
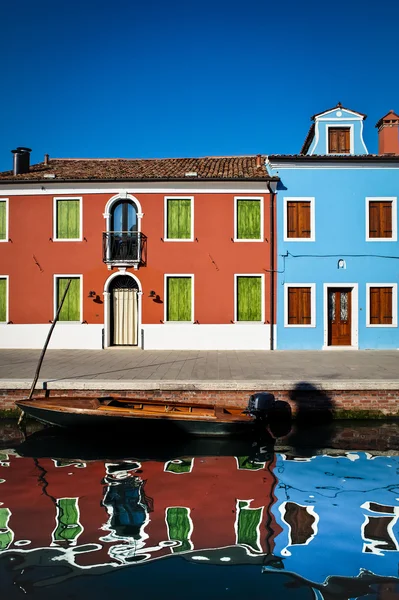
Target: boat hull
135,425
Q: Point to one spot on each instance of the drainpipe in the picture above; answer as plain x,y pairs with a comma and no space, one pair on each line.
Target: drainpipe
271,186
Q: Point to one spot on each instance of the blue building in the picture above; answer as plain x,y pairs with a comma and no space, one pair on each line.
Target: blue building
337,238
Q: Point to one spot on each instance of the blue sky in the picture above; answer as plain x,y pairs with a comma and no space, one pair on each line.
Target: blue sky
160,79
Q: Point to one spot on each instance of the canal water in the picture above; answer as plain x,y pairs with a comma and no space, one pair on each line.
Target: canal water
312,517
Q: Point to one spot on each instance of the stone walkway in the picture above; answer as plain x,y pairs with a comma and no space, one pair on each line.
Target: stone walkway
121,368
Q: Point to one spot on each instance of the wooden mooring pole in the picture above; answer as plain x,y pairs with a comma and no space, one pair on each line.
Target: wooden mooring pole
43,352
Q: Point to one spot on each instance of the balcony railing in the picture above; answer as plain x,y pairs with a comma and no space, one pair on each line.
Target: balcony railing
126,248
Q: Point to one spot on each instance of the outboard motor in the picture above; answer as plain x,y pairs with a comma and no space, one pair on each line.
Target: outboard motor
260,405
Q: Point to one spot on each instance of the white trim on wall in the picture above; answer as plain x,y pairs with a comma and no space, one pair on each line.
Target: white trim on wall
349,126
165,219
392,199
107,307
312,287
394,287
165,295
7,278
354,315
55,307
312,201
6,200
262,276
55,214
261,199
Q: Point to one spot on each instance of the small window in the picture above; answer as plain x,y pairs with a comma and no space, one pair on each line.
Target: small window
248,524
248,219
380,219
299,305
381,300
298,219
179,526
179,298
339,140
3,221
71,308
68,527
3,300
179,219
67,219
249,298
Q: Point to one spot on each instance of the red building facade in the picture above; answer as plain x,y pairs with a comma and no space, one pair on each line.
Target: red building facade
162,254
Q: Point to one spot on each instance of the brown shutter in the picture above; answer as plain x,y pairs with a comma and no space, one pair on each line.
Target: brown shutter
386,305
374,220
293,306
292,220
299,306
333,141
386,219
304,219
375,308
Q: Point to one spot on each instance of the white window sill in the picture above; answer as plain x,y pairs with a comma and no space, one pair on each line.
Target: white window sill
177,240
67,239
312,325
387,239
311,239
382,325
250,240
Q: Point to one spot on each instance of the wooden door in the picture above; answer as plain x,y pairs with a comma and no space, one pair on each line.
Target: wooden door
339,317
124,317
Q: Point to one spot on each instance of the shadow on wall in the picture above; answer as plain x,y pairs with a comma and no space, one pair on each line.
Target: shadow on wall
313,426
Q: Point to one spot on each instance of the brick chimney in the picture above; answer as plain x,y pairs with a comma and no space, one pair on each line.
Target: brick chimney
388,134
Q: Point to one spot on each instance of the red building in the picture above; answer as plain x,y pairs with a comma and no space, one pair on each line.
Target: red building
162,254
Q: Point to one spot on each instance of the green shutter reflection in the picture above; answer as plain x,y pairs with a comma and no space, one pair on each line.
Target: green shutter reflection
248,220
245,463
179,299
68,526
3,225
178,523
249,298
249,520
68,219
179,219
71,308
183,465
6,535
3,300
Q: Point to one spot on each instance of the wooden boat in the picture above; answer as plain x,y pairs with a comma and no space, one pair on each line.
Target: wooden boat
137,414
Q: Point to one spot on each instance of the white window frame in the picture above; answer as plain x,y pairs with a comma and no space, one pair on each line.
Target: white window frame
165,219
55,307
310,199
55,215
312,287
262,319
394,287
261,199
341,125
392,199
165,287
7,278
6,200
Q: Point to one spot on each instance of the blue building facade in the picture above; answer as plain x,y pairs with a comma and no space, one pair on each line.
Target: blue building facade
337,240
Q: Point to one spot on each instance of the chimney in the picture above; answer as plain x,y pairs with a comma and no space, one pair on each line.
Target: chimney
46,159
388,134
21,160
258,161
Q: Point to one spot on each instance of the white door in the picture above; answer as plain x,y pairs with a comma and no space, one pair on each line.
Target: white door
125,317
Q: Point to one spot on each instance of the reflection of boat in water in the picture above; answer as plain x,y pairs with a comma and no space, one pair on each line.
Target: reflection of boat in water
143,415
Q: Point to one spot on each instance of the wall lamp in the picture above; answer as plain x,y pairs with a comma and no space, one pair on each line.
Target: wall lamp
152,294
92,294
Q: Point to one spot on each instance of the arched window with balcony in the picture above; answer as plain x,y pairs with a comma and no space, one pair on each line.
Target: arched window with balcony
123,240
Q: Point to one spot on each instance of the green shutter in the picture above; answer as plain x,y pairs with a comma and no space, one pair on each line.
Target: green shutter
178,522
179,299
179,219
71,308
68,219
6,535
248,220
68,526
249,298
3,300
3,222
250,465
183,465
249,520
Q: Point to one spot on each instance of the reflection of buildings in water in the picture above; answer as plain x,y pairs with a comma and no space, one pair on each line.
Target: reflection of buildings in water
121,513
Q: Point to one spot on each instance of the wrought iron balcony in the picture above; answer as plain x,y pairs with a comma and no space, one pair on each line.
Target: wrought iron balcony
125,248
